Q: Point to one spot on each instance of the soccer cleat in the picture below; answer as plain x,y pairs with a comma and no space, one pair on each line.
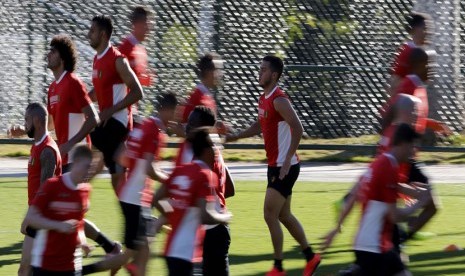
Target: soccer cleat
311,265
275,272
132,269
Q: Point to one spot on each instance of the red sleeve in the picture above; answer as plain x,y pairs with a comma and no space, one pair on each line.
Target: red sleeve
401,65
43,196
194,100
204,188
80,97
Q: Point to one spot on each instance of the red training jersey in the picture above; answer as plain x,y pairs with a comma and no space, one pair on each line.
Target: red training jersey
67,96
136,54
148,137
108,85
186,155
185,186
200,96
60,199
377,191
34,167
276,131
401,66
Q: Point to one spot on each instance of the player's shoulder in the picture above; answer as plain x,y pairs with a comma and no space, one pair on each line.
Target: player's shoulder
84,187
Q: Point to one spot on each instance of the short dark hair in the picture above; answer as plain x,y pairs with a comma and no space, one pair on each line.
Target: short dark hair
415,20
37,110
67,50
104,23
139,13
276,64
404,134
200,140
417,56
82,151
206,115
206,64
167,100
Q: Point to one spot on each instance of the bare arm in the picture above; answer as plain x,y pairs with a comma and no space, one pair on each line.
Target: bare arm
160,194
91,121
284,108
92,95
209,215
131,81
252,130
47,164
230,188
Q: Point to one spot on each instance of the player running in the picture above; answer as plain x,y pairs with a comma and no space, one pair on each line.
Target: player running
282,131
111,77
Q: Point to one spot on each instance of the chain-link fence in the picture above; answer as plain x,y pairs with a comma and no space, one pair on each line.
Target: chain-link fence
337,52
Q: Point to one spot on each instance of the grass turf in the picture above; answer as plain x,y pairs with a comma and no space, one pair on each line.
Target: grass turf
250,252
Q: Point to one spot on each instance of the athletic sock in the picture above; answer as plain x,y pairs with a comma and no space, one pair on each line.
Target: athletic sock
89,269
278,264
105,243
308,253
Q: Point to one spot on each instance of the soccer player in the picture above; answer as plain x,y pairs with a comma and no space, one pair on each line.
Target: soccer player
282,132
72,115
111,77
377,192
217,237
57,212
135,194
44,162
134,50
190,192
417,27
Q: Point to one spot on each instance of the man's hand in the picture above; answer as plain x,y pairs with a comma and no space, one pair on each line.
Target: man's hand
67,226
285,168
328,239
105,115
16,131
176,128
65,148
23,227
87,249
230,138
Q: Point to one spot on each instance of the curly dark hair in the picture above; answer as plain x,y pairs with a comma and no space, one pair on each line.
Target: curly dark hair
67,50
205,64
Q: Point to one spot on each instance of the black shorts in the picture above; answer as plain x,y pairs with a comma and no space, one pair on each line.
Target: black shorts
415,173
31,232
179,267
107,139
36,271
134,225
284,186
215,251
378,264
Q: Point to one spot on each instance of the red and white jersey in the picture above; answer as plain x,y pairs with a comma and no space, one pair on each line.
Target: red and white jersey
67,96
186,156
200,96
401,66
377,191
148,137
276,131
137,58
34,167
185,186
108,85
60,199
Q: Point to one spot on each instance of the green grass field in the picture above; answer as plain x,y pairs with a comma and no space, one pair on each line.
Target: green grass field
250,252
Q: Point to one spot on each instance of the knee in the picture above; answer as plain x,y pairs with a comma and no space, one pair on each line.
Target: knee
285,218
270,216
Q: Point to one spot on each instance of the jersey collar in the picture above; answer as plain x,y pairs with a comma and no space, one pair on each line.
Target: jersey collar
201,163
133,39
42,139
272,92
203,88
104,52
416,80
392,159
61,77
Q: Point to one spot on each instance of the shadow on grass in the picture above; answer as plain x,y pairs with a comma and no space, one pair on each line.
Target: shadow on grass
13,249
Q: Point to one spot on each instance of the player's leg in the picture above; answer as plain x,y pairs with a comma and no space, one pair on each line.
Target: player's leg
178,267
25,264
93,232
272,207
215,251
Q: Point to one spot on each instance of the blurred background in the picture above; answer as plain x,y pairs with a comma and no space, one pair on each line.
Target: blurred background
337,54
